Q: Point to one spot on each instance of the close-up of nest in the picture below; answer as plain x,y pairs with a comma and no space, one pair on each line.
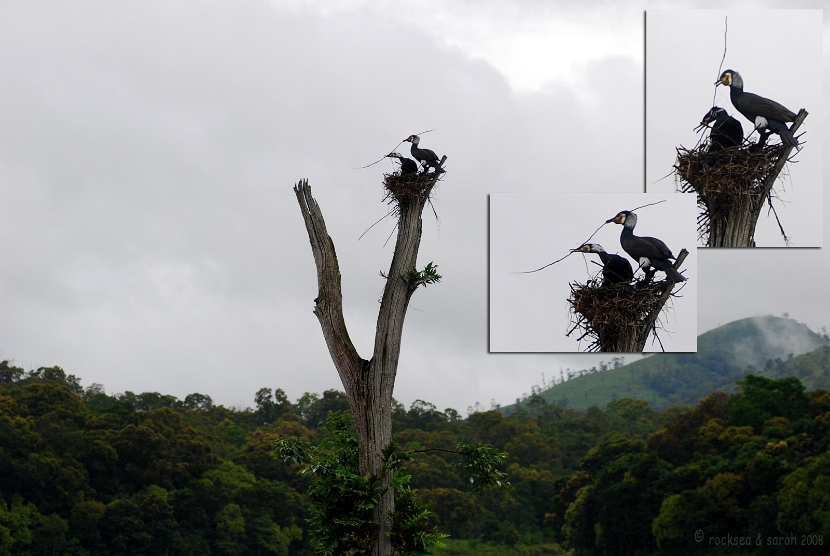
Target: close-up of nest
615,317
729,182
407,187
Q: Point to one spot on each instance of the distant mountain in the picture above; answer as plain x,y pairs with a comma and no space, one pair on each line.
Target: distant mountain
754,340
724,356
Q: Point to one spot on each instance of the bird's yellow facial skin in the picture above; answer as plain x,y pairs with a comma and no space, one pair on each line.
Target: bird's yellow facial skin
726,79
409,139
584,248
619,219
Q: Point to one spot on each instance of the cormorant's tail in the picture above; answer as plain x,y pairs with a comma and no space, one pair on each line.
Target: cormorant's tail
674,276
671,273
782,131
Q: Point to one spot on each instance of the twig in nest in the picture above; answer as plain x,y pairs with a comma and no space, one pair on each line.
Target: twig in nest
403,188
727,181
615,316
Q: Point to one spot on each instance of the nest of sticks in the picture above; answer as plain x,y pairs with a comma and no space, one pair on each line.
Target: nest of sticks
615,317
404,188
726,181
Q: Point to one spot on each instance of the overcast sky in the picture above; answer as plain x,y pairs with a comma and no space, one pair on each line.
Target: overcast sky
684,49
530,312
150,239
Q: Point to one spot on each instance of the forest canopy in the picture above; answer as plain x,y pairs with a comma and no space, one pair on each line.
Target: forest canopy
88,473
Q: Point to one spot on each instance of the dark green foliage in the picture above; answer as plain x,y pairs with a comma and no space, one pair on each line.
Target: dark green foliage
316,412
429,275
270,408
743,465
87,473
410,531
343,500
478,464
415,278
762,399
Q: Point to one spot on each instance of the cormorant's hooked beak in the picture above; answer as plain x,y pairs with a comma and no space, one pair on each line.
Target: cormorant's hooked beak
701,125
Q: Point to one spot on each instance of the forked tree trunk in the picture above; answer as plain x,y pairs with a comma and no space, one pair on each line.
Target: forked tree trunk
368,384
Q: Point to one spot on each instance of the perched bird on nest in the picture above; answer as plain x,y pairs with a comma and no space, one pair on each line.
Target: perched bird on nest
615,269
408,166
766,115
425,156
648,251
726,130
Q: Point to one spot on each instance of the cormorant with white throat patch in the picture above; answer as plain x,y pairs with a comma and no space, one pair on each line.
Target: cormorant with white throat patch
615,269
647,251
425,156
766,115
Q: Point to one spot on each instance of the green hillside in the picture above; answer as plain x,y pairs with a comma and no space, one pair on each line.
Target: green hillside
812,369
723,357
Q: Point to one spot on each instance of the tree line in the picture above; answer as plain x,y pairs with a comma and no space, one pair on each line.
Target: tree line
88,473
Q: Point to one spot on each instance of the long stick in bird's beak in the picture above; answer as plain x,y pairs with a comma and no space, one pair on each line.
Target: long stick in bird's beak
705,123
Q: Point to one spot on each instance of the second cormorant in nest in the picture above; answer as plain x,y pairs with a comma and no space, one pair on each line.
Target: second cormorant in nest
425,156
766,115
408,166
726,130
615,269
647,251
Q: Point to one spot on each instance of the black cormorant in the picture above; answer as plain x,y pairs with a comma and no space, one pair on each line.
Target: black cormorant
648,251
765,114
408,166
425,156
615,269
726,130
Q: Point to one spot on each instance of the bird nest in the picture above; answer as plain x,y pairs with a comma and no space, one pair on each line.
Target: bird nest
615,317
407,187
727,181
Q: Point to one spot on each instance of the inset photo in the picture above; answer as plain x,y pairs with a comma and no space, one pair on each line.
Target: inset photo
589,272
734,119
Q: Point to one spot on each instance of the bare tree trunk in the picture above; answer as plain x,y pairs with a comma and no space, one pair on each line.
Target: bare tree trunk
368,384
645,331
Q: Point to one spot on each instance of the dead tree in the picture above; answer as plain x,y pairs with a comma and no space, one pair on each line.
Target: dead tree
369,383
732,185
619,317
